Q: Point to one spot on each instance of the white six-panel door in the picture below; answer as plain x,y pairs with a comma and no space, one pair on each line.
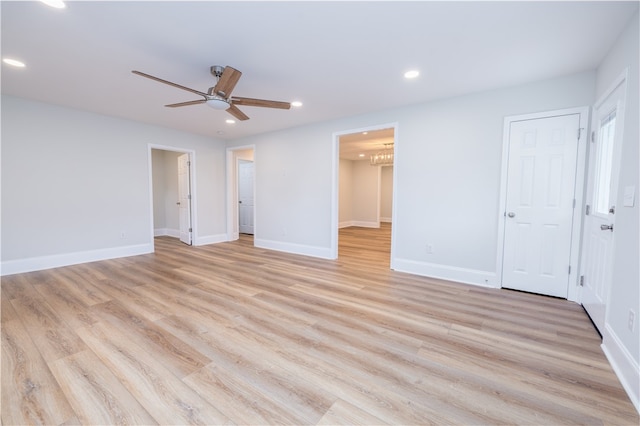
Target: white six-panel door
540,201
245,197
184,198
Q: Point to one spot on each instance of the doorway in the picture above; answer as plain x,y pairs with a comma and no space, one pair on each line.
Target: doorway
241,204
543,174
363,190
172,179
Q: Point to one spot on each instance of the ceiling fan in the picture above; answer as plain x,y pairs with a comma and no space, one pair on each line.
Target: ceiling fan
219,96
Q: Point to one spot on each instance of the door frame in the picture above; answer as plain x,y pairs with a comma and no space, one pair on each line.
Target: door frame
573,292
233,232
335,184
192,183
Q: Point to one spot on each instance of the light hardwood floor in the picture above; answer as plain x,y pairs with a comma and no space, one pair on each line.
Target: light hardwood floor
232,334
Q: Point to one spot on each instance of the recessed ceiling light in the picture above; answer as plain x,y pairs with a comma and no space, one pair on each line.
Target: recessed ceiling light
296,104
58,4
361,155
13,62
411,74
230,121
365,133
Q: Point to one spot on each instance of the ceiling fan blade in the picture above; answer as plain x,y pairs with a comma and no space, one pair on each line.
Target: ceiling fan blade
181,104
233,110
227,82
197,92
261,103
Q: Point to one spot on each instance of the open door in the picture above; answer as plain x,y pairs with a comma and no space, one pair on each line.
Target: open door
184,198
599,229
245,196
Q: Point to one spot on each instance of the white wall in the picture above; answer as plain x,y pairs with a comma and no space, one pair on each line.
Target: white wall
447,160
386,194
345,202
73,182
293,190
621,344
359,194
365,196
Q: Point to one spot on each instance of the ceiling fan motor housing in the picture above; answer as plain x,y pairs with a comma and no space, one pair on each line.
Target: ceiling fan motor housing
216,71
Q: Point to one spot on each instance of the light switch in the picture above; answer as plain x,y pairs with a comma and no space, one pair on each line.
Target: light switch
629,198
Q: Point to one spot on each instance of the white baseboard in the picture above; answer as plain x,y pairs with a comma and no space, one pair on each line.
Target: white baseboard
360,223
210,239
31,264
385,219
444,272
623,364
321,252
166,232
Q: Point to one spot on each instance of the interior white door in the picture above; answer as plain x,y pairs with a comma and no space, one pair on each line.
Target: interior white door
245,197
184,198
541,177
604,156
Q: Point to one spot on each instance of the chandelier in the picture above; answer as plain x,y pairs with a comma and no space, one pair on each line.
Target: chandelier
384,157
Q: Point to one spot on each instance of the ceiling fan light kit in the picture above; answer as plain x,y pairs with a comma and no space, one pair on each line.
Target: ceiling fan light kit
219,96
218,103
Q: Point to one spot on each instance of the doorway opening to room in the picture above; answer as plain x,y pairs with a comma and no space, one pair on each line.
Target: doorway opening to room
364,195
173,205
241,194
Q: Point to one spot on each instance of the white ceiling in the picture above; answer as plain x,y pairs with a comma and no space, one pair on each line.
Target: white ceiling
339,58
354,145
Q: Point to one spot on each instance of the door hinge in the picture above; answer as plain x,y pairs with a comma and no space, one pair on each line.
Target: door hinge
580,129
574,203
581,280
189,197
188,163
569,269
612,210
587,210
593,137
190,230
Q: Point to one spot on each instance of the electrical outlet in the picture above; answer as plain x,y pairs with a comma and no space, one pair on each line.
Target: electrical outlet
429,249
632,320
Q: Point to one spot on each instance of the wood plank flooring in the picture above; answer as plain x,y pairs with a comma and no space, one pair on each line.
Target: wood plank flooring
232,334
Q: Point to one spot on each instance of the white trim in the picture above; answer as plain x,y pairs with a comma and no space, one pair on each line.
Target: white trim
210,239
623,364
192,182
622,78
10,267
335,182
449,273
233,232
166,232
360,223
576,230
385,219
301,249
364,224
